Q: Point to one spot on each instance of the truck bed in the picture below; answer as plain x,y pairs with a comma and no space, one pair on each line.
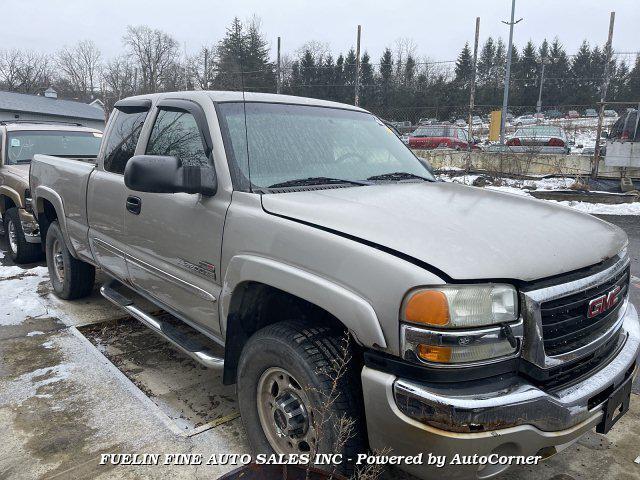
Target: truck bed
67,179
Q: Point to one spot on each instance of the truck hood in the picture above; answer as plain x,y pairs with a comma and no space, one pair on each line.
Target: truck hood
20,171
466,232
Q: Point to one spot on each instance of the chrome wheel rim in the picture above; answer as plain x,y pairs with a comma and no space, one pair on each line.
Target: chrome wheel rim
285,413
13,236
58,260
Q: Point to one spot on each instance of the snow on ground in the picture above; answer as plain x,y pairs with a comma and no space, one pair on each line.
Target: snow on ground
553,183
17,283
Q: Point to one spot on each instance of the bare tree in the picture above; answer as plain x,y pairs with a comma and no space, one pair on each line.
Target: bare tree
203,67
24,71
119,80
80,67
155,54
319,50
9,67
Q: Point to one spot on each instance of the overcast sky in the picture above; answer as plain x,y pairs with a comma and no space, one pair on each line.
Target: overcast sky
438,28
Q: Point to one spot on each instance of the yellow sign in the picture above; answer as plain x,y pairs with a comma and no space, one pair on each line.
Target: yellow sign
494,126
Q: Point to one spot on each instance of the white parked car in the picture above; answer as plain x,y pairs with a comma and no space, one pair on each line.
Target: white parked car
525,120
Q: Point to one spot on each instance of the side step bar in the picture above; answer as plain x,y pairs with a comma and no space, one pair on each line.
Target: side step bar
192,343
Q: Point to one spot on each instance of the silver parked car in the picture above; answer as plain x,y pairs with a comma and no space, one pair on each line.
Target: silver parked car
540,139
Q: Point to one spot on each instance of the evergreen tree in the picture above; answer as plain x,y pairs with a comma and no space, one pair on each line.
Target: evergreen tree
348,91
338,78
632,88
581,74
527,76
326,69
307,73
486,63
243,59
385,80
617,88
464,67
367,90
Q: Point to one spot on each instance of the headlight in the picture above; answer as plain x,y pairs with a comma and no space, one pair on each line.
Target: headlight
461,306
461,324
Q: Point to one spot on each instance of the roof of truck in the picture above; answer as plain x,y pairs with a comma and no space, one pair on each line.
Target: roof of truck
229,96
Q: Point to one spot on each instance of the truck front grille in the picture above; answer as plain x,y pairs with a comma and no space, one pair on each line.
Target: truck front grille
565,325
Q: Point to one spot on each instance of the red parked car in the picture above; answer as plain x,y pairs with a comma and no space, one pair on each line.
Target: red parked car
441,136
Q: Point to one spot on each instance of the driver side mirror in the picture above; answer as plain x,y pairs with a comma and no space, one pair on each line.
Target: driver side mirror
163,174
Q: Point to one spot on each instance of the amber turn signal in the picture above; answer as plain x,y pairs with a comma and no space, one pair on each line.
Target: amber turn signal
427,306
434,353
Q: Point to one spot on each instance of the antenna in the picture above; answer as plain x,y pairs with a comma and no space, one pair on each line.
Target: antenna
244,111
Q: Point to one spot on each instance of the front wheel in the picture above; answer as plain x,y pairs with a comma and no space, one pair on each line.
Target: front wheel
299,393
19,249
70,278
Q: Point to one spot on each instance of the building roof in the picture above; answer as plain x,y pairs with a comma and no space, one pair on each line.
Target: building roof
20,102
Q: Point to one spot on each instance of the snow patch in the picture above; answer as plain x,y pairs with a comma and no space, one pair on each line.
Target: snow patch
34,333
510,185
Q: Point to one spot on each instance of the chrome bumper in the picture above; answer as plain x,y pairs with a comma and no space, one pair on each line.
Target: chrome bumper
30,227
515,418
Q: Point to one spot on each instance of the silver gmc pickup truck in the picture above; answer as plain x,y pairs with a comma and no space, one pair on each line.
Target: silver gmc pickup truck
298,245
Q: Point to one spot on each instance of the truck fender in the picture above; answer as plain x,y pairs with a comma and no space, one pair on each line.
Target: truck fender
12,194
352,310
45,193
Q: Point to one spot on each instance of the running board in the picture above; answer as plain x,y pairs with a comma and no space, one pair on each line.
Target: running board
187,339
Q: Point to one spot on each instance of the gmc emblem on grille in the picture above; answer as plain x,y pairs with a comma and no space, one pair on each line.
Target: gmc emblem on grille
603,303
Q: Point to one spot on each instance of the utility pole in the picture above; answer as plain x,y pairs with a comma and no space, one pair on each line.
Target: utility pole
603,96
279,72
206,68
186,75
472,94
507,73
539,104
357,82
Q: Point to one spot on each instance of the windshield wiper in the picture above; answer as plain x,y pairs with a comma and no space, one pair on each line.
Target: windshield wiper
303,182
398,176
23,160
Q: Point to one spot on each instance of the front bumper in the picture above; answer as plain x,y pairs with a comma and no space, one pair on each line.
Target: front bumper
515,418
30,227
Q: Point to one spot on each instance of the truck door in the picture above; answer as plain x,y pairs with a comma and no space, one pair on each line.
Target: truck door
106,193
174,240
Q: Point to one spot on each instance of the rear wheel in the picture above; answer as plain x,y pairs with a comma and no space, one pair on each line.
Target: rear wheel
19,249
290,399
70,278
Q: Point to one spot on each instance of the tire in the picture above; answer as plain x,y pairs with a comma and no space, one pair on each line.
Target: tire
19,249
306,353
76,278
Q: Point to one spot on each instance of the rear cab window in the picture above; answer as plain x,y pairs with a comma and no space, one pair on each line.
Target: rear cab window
121,140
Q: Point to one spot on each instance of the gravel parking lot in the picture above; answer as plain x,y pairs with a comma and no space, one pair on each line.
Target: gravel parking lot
78,379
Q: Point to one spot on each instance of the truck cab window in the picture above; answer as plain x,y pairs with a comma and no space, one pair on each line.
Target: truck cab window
176,134
122,140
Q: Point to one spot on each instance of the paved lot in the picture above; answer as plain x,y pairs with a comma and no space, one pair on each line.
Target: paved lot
77,380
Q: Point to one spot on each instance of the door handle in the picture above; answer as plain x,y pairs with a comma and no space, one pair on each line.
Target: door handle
134,205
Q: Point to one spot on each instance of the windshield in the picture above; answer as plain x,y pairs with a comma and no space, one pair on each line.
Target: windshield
292,142
24,144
